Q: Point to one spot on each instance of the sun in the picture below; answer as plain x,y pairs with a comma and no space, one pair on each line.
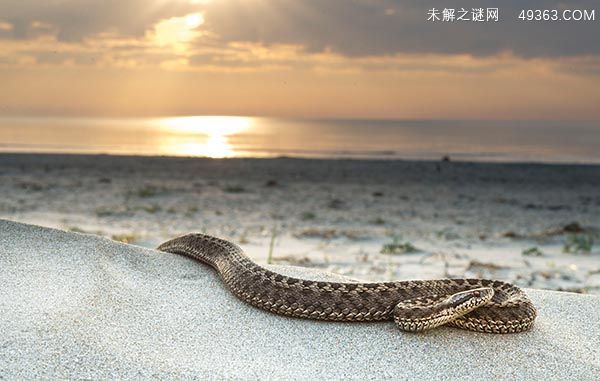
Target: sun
177,32
194,20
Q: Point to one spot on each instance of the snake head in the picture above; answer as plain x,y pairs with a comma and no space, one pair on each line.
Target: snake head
428,312
466,301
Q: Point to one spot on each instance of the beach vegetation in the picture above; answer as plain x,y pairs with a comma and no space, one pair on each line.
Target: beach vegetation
306,216
378,221
579,243
318,233
146,191
152,208
398,247
331,233
31,186
272,245
234,189
103,212
76,229
532,252
510,234
191,211
390,269
336,204
244,237
125,238
447,235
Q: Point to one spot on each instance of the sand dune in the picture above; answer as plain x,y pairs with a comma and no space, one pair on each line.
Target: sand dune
76,306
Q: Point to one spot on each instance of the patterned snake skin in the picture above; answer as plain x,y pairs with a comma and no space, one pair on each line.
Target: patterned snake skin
473,304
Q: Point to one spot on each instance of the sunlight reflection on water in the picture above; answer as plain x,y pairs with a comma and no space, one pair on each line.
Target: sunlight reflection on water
202,135
236,136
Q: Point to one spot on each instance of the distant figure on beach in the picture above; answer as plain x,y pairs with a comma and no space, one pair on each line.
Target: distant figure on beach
445,159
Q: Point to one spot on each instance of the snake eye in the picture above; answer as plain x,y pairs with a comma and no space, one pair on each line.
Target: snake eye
471,297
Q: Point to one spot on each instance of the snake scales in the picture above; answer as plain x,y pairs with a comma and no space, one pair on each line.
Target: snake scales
417,305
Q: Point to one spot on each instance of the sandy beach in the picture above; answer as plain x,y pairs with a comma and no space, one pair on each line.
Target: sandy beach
77,306
536,225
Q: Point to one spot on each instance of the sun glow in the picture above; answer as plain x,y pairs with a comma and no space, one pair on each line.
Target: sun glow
177,31
207,136
194,20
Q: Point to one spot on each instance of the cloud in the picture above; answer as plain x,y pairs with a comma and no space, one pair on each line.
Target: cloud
387,27
348,27
74,20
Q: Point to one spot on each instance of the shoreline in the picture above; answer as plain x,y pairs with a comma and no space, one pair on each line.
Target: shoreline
367,158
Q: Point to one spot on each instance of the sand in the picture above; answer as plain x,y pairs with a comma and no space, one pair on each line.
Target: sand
503,221
75,306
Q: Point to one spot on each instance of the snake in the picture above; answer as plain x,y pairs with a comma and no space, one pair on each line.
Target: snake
479,305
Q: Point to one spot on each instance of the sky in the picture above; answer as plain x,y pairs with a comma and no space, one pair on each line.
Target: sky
296,58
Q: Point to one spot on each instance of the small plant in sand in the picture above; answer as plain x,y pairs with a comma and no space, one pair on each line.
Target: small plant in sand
76,229
336,204
234,189
191,211
146,191
125,238
103,212
318,233
378,221
31,186
390,268
153,208
397,247
307,216
244,237
532,252
579,243
272,245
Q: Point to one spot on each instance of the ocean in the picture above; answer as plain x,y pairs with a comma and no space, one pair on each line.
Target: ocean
234,136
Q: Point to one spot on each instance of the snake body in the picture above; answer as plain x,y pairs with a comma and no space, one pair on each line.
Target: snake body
474,304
